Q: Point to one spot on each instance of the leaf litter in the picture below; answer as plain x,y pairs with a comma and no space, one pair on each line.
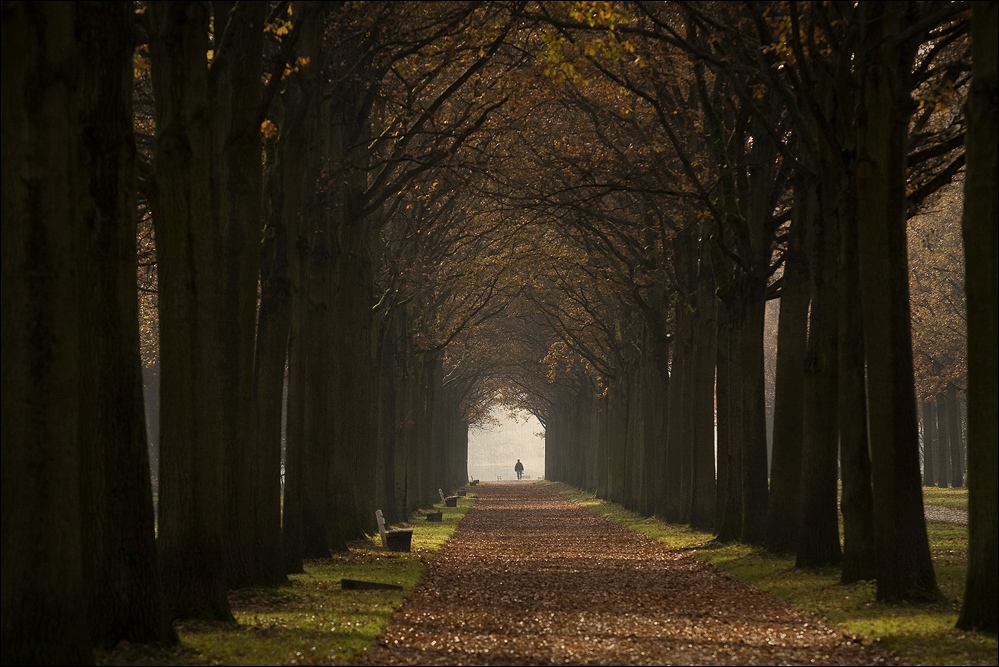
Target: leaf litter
531,578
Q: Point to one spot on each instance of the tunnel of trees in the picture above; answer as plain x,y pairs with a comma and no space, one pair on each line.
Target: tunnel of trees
327,237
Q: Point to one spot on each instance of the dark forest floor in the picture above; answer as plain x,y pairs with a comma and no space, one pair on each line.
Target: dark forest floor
530,577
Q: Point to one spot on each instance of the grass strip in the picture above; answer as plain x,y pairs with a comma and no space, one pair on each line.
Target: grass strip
309,620
919,633
955,499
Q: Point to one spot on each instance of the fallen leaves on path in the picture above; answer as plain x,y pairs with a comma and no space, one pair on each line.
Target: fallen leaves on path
946,514
530,578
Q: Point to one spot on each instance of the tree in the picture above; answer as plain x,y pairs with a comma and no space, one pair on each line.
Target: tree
191,457
785,467
125,599
904,568
43,601
292,166
981,208
811,50
397,105
236,190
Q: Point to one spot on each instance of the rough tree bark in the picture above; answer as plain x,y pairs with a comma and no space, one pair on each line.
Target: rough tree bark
125,596
673,466
729,491
42,594
678,432
289,175
293,523
956,453
818,533
191,458
855,461
904,569
237,192
929,442
792,328
702,377
941,450
981,252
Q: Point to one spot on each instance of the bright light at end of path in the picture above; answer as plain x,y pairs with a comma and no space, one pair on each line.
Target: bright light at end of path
493,450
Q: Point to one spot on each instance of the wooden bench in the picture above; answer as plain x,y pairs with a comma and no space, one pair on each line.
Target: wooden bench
449,501
400,539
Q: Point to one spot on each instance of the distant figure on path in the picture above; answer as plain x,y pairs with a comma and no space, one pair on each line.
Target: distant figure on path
519,468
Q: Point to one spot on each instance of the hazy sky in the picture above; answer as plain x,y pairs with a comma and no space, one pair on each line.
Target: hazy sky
494,450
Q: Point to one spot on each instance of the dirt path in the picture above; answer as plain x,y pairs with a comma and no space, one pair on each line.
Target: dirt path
946,514
530,578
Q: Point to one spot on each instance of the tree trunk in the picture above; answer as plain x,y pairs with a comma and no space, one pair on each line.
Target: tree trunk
792,328
729,512
237,192
615,435
929,442
409,382
438,424
942,442
857,503
387,392
754,428
905,570
702,376
290,179
293,505
757,188
269,367
654,393
421,469
635,448
656,400
679,431
409,479
818,534
191,459
42,597
120,566
956,454
319,418
352,467
306,151
351,324
590,411
674,471
981,252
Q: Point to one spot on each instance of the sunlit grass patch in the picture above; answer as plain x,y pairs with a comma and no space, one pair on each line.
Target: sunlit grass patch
919,633
310,620
956,499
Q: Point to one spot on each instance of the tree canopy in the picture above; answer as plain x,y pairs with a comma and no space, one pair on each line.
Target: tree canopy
335,235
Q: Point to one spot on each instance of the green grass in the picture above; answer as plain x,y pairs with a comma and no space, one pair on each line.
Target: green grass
955,499
919,633
309,620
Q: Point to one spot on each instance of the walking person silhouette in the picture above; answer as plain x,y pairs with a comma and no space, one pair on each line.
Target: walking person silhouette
519,468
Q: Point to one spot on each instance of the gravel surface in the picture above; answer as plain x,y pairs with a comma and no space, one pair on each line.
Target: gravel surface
530,578
935,513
